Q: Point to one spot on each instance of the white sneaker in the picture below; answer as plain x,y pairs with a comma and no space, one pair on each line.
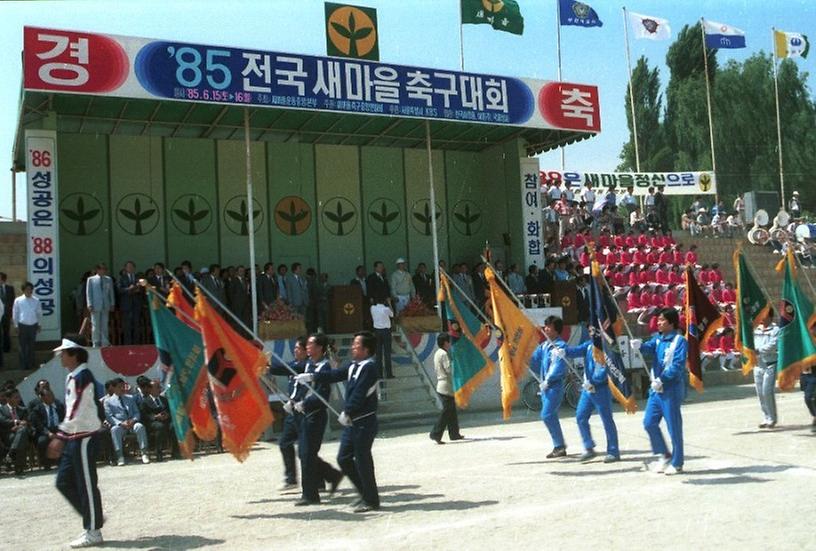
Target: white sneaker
286,487
145,459
660,465
89,538
672,470
120,462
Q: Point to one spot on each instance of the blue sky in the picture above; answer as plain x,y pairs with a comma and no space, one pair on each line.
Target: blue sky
412,32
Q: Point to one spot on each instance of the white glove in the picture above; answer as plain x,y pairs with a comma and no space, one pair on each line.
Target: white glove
559,353
592,331
543,385
344,419
635,344
299,407
287,407
657,385
304,378
589,387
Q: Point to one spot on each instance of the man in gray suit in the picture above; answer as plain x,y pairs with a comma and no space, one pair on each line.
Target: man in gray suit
123,416
296,289
213,283
100,301
131,301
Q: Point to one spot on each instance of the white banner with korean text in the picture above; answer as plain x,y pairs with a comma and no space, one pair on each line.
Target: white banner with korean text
532,232
673,183
43,228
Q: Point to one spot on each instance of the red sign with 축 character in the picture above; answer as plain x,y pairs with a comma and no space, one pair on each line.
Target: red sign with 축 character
131,67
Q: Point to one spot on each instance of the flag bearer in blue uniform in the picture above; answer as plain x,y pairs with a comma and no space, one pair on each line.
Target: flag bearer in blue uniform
594,396
359,417
667,391
313,418
76,441
291,423
548,361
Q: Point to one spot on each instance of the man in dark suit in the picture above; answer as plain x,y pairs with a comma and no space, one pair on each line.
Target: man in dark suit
131,302
15,430
360,280
237,297
359,417
377,285
155,413
546,277
160,280
267,288
7,297
480,285
212,282
424,285
45,418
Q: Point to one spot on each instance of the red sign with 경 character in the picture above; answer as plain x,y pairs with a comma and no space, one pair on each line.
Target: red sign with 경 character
73,61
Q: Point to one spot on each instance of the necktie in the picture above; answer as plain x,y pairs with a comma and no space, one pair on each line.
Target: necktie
13,411
52,416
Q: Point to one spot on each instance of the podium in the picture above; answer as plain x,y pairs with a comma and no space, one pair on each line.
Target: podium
565,296
346,308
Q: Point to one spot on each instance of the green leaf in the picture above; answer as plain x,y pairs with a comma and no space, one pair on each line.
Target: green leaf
300,216
341,30
378,217
362,33
71,214
347,216
236,216
390,217
147,214
460,217
182,214
422,218
129,214
331,216
90,214
200,215
352,23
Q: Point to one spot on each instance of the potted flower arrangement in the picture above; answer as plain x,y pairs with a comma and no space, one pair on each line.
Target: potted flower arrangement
280,321
416,317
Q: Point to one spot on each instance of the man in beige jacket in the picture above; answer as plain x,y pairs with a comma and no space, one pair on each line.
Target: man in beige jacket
447,418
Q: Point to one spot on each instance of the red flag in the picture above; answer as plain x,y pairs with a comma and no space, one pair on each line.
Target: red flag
233,364
702,320
184,311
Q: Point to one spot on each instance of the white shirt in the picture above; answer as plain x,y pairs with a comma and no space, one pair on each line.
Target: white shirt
442,366
26,311
589,197
381,316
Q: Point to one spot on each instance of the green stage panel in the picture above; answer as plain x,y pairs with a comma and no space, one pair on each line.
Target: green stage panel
233,210
84,207
513,152
337,170
383,205
496,222
417,191
137,201
192,224
292,223
470,197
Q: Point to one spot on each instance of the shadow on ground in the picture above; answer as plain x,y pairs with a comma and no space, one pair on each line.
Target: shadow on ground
160,543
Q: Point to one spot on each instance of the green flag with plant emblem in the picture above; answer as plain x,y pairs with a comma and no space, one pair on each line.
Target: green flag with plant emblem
502,15
795,346
351,31
751,308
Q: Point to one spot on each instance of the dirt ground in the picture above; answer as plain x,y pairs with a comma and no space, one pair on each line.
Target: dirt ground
743,489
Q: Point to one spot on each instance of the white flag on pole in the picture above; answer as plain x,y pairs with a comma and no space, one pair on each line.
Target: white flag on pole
646,26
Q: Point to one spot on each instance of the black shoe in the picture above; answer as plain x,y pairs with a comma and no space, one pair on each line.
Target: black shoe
557,452
365,508
457,437
306,502
437,439
335,483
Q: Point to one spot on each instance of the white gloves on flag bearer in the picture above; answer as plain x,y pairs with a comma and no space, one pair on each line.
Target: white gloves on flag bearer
635,343
559,353
288,408
304,378
543,385
344,419
657,385
299,407
589,387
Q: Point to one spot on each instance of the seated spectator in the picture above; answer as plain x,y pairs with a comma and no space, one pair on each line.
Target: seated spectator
669,297
651,276
639,256
624,257
676,276
647,299
45,419
652,256
634,276
631,241
717,225
662,274
41,384
715,274
142,389
729,294
715,295
155,414
666,256
703,221
650,320
702,275
15,431
687,223
567,241
123,416
604,240
610,258
691,255
678,255
619,241
581,239
515,281
584,258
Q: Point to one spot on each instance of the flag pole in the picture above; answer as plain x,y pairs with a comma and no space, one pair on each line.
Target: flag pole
710,114
631,90
778,121
558,54
255,337
461,39
432,210
251,224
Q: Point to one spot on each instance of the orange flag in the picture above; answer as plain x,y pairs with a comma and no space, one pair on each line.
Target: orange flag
184,311
233,364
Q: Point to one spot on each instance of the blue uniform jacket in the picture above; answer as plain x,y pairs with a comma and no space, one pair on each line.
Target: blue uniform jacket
671,371
310,401
361,386
595,373
551,371
278,368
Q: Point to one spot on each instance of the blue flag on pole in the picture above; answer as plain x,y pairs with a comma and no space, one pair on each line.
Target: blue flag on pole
578,14
720,35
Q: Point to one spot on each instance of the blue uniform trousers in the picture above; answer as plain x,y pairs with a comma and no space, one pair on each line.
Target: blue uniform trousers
550,402
665,405
287,447
76,480
314,471
354,457
600,401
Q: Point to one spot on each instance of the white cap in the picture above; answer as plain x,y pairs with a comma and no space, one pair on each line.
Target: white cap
66,345
400,260
796,193
204,270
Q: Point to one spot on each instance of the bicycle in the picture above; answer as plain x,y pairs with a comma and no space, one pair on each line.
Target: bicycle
531,395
